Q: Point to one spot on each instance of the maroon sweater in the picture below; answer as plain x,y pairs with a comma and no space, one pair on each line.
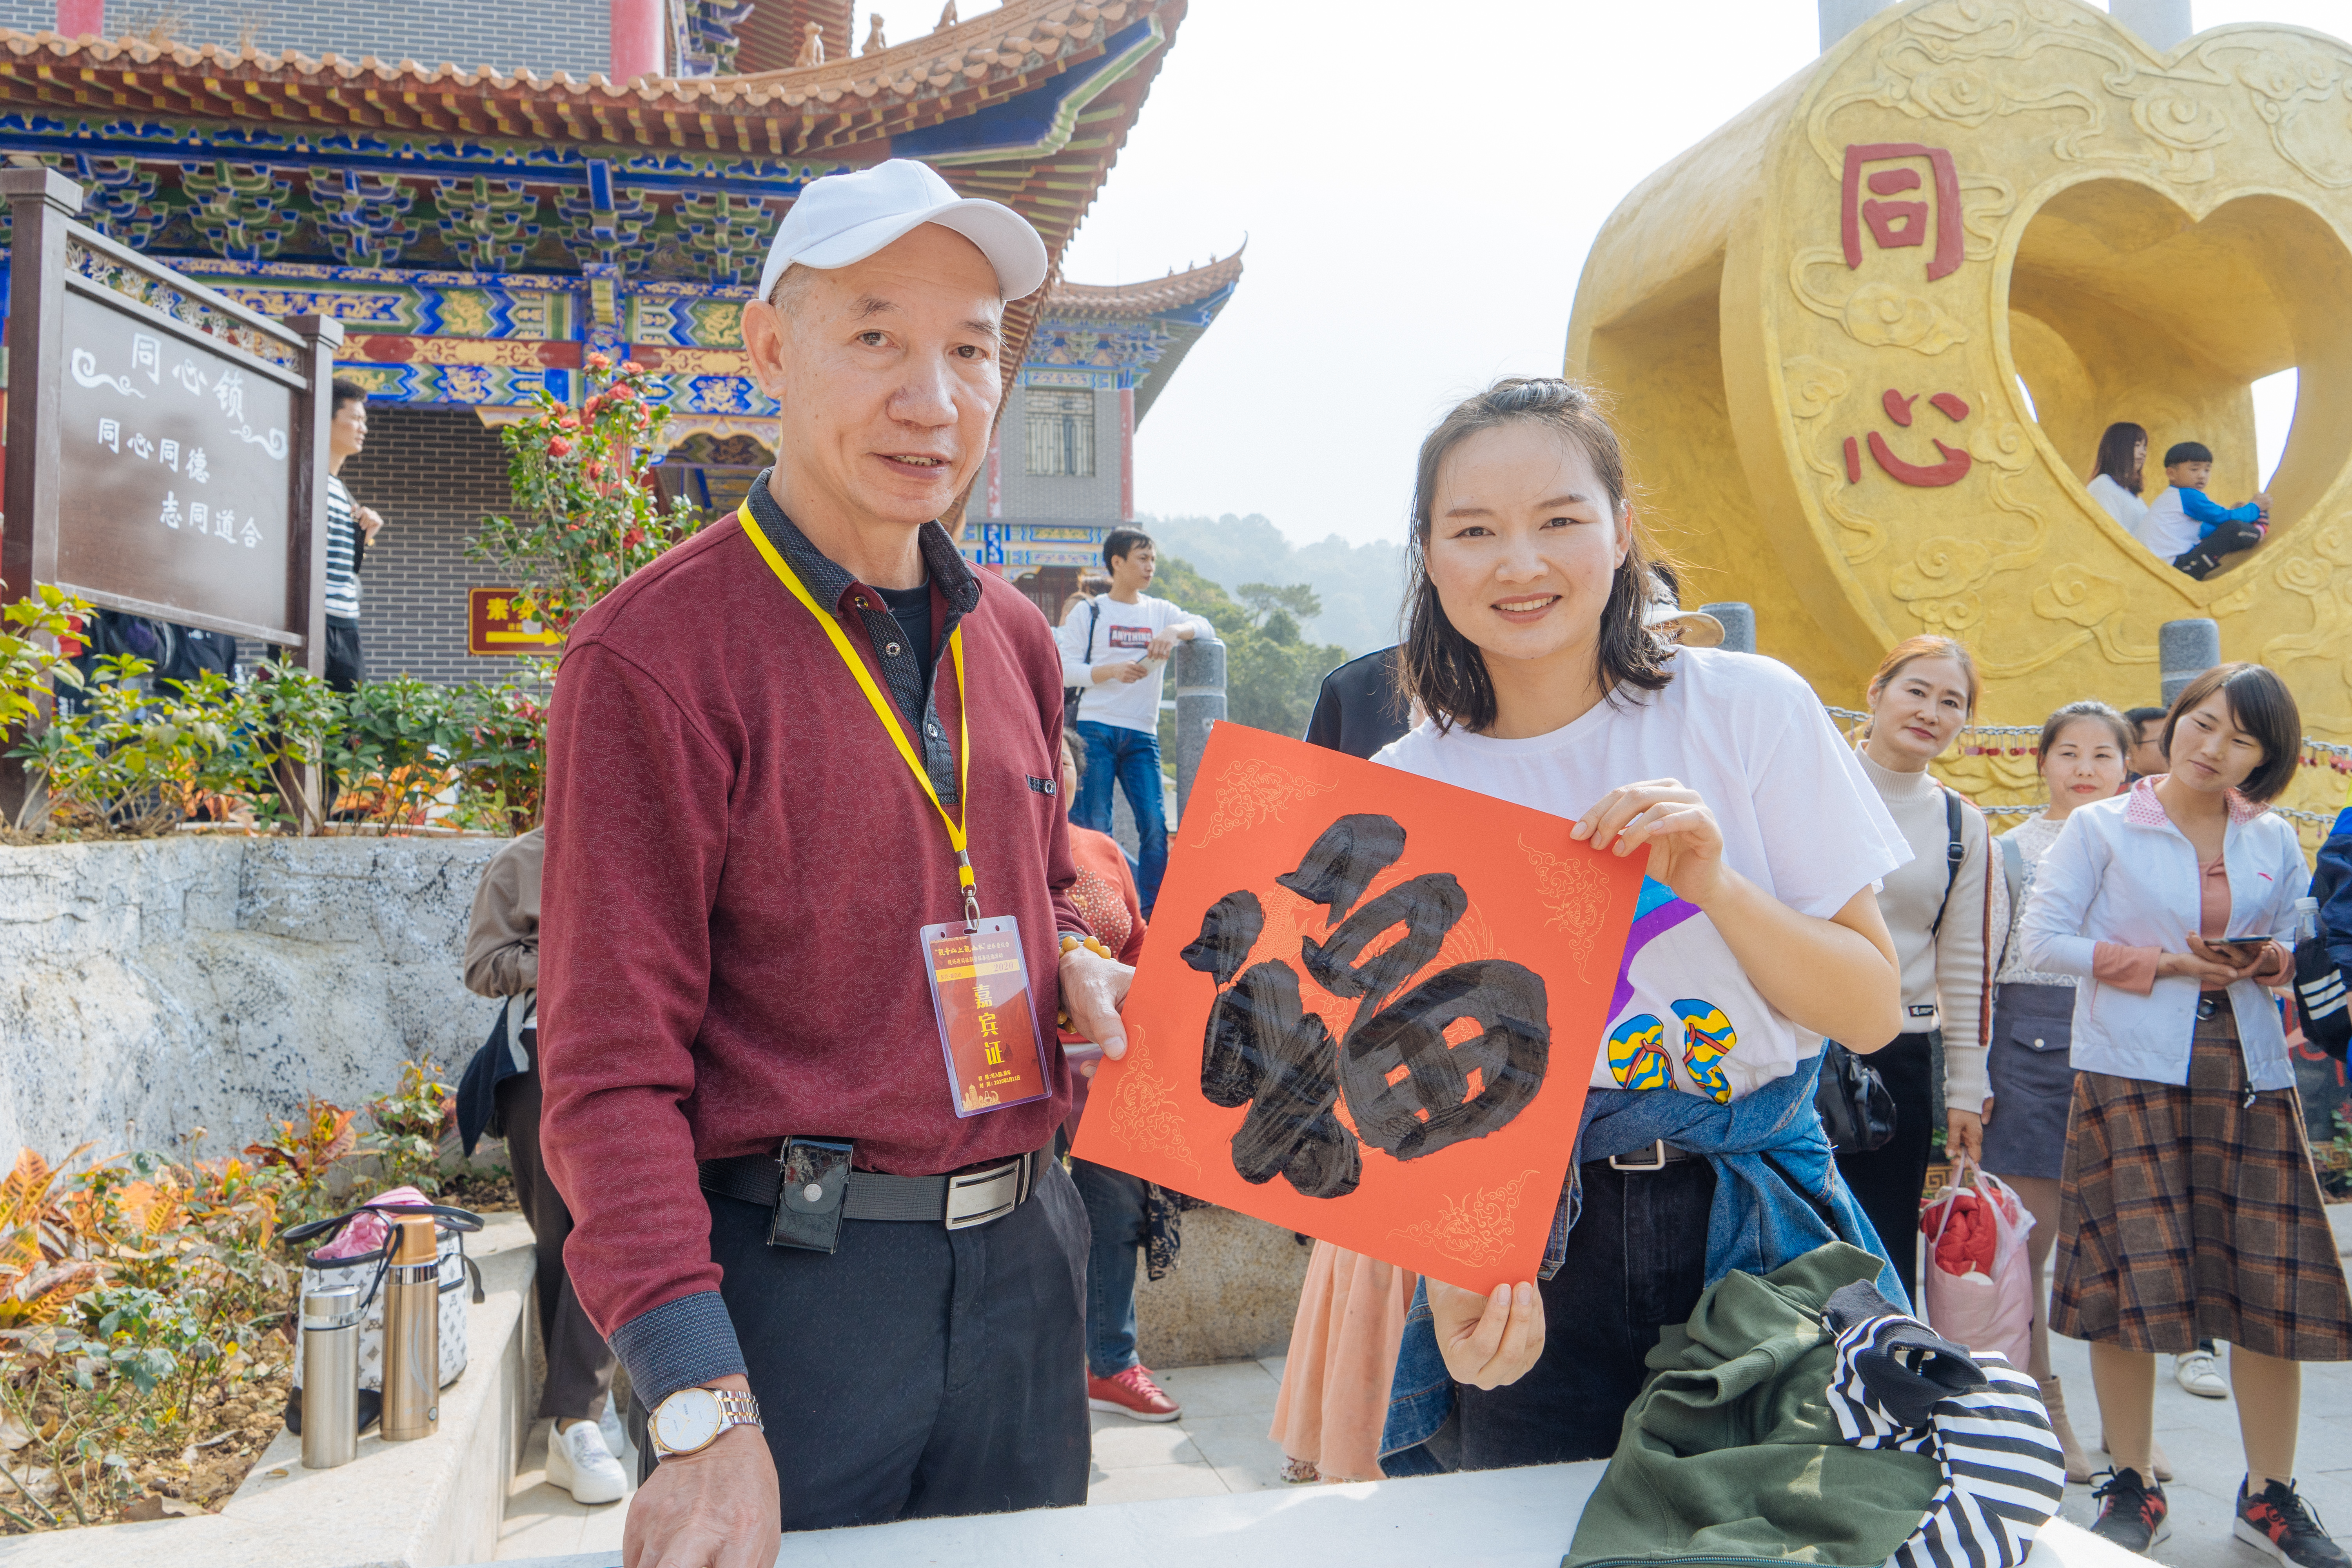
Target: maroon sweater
737,862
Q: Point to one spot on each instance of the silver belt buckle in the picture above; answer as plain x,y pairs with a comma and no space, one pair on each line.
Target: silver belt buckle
979,1197
1656,1162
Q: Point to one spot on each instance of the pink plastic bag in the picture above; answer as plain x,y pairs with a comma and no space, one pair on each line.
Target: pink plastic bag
1978,1288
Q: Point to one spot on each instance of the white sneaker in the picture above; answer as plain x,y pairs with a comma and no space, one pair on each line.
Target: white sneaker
2197,1372
578,1461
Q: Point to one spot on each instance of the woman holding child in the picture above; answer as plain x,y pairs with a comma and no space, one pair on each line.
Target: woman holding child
2189,1206
1759,932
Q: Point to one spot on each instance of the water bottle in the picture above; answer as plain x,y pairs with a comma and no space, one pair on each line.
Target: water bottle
331,1377
412,1331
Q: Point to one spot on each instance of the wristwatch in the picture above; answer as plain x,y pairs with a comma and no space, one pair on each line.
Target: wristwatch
691,1419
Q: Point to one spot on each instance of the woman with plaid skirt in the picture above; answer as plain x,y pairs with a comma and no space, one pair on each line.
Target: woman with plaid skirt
2189,1204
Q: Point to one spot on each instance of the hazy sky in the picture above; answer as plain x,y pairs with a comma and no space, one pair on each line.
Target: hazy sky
1419,184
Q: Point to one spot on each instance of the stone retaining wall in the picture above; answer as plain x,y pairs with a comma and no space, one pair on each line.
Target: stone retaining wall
153,988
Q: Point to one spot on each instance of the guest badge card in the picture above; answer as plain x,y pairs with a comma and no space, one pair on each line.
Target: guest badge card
979,990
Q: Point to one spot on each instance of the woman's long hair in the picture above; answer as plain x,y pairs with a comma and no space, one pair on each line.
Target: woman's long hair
2120,456
1439,669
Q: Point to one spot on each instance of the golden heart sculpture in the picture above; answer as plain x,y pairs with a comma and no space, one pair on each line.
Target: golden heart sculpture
1863,340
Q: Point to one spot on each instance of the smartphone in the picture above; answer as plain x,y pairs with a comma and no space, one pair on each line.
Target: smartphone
2242,950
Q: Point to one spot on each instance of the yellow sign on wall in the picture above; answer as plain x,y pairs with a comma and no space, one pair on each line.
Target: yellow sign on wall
496,624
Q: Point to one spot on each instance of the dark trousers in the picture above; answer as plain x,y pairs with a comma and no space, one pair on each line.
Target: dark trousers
917,1371
578,1362
1886,1182
1636,1261
346,666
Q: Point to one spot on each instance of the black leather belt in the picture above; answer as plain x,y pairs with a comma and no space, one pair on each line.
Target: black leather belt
958,1200
1656,1157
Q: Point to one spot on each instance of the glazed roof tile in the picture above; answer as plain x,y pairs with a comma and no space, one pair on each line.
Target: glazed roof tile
943,76
1157,296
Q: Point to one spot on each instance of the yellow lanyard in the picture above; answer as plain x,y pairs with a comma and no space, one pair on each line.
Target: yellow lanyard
883,711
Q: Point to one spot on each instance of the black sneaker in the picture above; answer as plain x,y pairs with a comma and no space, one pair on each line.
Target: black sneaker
2132,1513
2281,1523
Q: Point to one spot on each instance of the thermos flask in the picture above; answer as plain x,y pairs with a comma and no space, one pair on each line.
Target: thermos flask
412,1331
331,1377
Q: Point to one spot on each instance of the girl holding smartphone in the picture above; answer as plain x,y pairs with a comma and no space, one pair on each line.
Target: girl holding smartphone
2189,1204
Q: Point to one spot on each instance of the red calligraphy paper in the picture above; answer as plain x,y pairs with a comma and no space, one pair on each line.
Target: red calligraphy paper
1367,1009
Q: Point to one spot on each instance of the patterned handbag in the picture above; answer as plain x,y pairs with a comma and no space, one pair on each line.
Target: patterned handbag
357,1250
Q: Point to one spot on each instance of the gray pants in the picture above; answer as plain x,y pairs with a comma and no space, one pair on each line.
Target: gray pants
579,1363
918,1372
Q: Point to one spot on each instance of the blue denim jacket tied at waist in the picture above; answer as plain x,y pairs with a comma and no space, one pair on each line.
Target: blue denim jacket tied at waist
1758,1144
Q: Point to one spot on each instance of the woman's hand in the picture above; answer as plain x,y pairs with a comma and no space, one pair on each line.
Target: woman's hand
1487,1340
1685,841
2203,968
1964,1132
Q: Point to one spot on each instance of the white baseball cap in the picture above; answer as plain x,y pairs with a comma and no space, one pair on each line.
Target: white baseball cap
845,218
1690,628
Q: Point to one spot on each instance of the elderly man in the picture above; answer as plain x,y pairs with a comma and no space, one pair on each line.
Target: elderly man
804,923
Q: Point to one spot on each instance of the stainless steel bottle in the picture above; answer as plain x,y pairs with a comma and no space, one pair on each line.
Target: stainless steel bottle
331,1377
412,1332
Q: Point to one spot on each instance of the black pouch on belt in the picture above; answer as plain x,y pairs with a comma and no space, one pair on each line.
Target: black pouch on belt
808,1202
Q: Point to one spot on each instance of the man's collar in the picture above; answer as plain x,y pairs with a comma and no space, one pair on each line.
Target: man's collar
829,583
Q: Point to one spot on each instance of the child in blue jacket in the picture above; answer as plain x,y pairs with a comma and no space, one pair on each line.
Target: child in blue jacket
2186,527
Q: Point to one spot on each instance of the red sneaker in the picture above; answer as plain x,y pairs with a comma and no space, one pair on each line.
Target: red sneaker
1131,1394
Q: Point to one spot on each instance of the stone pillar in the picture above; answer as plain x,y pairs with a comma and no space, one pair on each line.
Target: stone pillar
1200,667
1840,17
2186,649
636,39
1126,455
1738,624
2161,24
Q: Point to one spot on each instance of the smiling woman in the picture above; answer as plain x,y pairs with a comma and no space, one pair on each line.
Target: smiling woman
1528,653
1935,910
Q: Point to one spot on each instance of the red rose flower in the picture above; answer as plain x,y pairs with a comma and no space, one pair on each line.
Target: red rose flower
558,447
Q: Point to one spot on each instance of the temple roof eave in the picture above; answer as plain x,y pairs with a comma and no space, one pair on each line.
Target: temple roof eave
947,75
1190,293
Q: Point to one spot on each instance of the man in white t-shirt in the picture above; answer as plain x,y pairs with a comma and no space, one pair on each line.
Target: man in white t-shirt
1115,649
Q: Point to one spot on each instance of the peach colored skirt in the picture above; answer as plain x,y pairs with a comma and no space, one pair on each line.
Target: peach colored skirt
1343,1350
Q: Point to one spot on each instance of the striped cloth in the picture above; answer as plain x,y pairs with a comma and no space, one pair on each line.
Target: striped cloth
343,553
2003,1471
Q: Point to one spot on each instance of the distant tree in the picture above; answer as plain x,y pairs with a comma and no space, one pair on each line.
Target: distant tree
1298,599
1272,673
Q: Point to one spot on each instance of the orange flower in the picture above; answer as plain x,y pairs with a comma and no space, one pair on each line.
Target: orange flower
599,362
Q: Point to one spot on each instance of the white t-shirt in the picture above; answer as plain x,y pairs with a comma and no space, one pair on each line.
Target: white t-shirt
1119,634
2166,529
1799,818
2121,504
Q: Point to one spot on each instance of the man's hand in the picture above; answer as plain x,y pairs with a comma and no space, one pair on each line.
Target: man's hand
1161,645
1094,988
717,1509
1487,1340
1128,674
371,522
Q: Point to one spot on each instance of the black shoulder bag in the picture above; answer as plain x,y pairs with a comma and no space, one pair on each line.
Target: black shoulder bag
1856,1109
1070,694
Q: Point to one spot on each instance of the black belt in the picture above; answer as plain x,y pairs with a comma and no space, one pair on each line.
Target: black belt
958,1200
1656,1157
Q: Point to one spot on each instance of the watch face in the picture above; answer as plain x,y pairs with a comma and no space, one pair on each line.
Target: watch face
686,1420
